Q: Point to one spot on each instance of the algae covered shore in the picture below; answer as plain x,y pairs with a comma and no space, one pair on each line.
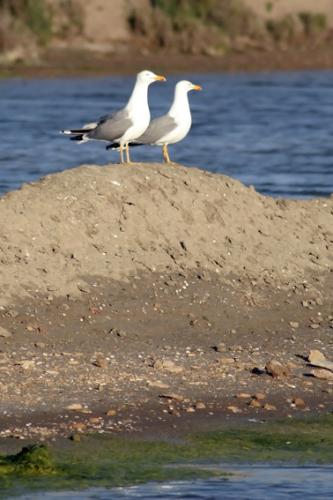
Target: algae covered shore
108,461
159,301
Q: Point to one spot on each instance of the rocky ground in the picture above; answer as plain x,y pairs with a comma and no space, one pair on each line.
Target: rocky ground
150,297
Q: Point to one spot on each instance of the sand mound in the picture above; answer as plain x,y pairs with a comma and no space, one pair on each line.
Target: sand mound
116,221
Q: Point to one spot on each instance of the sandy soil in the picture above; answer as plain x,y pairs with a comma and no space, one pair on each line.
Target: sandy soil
149,295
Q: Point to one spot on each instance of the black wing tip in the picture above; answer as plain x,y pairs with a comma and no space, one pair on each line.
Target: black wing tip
115,145
112,145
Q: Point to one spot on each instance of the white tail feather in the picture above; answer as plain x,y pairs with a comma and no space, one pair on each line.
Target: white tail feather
84,139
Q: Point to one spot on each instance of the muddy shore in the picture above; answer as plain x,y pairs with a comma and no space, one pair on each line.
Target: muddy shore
145,297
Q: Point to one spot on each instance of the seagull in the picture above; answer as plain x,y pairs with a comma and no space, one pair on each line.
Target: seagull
171,127
123,126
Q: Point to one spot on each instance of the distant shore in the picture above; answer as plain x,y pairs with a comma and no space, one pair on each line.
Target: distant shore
57,63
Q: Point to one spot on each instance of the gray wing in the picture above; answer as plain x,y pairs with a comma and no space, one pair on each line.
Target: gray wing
157,129
111,127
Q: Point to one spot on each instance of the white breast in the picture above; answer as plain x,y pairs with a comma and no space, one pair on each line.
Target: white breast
140,118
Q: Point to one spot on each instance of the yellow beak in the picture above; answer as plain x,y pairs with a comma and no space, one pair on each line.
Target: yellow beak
197,87
160,78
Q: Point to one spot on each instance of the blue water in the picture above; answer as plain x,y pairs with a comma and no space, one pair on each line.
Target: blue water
272,130
249,483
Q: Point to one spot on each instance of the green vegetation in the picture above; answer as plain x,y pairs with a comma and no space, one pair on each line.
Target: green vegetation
302,441
34,14
33,459
288,27
115,461
269,6
282,29
38,19
210,25
313,23
190,26
230,17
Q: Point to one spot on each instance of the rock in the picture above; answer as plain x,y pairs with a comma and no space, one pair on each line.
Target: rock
307,304
39,345
79,426
269,407
75,437
294,324
236,348
158,384
101,362
259,396
27,364
111,413
299,402
226,361
257,371
220,347
314,326
277,369
200,405
4,333
243,395
190,409
254,404
322,374
315,356
12,313
95,420
74,407
172,395
327,365
118,332
168,365
52,372
234,409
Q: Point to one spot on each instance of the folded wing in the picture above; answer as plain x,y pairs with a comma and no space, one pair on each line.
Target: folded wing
111,127
158,128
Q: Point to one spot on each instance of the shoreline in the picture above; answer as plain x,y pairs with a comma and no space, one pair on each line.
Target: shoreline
93,461
137,375
75,63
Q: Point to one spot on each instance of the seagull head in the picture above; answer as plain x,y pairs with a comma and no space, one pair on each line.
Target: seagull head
149,77
186,86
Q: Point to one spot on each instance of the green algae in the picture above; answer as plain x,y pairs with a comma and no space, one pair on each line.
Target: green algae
32,459
108,460
301,441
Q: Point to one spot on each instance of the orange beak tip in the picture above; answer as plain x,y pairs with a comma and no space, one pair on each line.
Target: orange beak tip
160,78
197,87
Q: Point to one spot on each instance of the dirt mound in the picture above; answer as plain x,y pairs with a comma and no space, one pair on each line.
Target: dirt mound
117,221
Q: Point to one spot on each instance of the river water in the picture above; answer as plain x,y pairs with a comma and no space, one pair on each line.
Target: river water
249,483
272,130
